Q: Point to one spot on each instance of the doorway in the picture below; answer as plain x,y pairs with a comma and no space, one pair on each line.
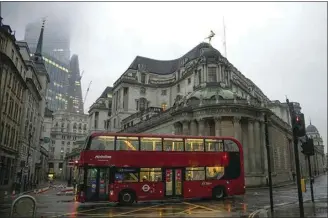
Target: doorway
173,182
97,184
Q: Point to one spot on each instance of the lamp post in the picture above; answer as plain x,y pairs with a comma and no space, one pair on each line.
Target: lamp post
27,158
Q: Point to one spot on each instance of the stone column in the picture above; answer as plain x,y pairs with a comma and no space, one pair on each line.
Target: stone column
219,72
251,144
201,127
218,131
263,149
176,128
237,127
193,128
185,127
258,145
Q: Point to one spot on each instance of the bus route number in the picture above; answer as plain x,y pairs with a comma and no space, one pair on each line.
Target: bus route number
145,188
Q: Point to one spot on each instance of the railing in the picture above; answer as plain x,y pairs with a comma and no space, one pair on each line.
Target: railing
161,117
162,81
125,78
141,113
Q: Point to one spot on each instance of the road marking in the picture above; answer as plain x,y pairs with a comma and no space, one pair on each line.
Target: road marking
189,209
252,214
140,209
284,196
200,206
77,212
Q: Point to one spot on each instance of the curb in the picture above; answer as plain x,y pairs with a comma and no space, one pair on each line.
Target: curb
266,187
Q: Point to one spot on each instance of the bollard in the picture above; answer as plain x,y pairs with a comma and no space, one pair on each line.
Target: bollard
303,185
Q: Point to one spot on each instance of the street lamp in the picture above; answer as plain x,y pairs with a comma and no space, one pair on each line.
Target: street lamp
27,162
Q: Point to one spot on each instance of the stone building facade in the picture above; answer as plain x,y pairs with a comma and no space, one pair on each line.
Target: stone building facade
12,85
100,112
318,160
24,81
66,129
202,93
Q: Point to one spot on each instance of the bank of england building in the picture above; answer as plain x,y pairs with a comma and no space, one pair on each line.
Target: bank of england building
202,93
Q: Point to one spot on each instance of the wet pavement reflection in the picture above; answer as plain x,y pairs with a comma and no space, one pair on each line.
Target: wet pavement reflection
51,205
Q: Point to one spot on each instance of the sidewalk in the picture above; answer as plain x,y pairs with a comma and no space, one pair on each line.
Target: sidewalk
283,184
7,200
316,209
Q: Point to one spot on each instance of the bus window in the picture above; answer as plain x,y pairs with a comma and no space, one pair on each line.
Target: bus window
151,175
150,144
194,144
173,144
102,143
230,146
126,175
195,173
214,173
213,145
127,143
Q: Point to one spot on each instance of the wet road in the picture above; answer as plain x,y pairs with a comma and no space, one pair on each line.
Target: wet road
50,205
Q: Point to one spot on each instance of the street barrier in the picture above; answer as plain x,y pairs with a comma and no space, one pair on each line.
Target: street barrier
23,206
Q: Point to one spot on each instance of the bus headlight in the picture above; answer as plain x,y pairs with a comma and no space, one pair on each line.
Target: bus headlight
228,182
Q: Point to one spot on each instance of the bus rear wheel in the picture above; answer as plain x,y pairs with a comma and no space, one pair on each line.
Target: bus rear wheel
218,193
127,198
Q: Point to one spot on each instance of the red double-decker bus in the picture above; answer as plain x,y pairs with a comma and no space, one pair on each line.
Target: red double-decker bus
129,168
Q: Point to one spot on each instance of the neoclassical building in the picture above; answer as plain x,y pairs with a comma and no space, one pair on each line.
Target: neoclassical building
100,112
66,129
318,161
202,93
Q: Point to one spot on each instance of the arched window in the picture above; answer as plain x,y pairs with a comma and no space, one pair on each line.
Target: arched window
74,126
62,125
85,127
80,126
142,104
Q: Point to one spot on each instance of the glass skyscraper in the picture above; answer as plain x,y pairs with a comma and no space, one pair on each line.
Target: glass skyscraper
56,39
64,92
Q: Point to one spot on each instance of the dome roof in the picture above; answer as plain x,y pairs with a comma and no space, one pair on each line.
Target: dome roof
311,129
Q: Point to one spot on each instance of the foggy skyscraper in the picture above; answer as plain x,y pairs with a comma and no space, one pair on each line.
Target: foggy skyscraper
56,39
64,92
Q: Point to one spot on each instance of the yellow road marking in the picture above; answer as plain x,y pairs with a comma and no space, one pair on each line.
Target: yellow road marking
83,211
189,209
253,214
140,209
207,208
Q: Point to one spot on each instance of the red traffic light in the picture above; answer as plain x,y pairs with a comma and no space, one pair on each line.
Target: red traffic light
297,118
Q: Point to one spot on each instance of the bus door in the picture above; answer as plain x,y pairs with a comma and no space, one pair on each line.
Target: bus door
98,179
173,182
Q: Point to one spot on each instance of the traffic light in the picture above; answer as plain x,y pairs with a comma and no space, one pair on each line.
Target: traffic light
308,147
298,123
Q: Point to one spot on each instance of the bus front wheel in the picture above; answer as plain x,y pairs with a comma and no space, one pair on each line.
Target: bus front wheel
127,197
218,193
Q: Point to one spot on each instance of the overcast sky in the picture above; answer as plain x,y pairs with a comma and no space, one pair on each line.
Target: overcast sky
281,47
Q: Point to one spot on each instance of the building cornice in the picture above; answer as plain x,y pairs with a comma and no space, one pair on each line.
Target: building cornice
210,108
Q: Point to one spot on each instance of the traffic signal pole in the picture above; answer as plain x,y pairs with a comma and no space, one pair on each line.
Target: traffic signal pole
297,163
310,174
298,175
267,145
